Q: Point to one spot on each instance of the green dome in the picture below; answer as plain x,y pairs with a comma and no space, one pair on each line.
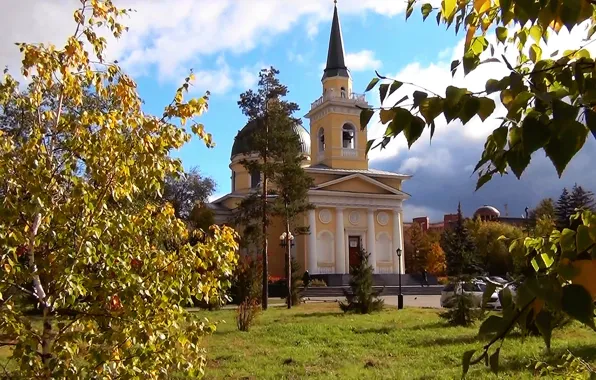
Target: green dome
242,142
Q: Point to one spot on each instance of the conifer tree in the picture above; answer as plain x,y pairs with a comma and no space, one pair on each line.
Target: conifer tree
273,140
563,210
459,249
362,299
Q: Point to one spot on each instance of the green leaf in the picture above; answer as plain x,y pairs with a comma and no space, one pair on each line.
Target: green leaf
518,160
410,8
583,241
383,88
369,144
565,142
394,86
470,62
505,297
365,116
569,13
563,111
535,53
519,103
419,96
544,325
403,98
591,120
491,325
430,108
426,10
465,361
577,302
488,292
478,45
487,107
454,94
567,240
482,180
373,82
502,34
535,134
400,122
536,33
448,7
454,65
414,130
469,109
494,361
386,115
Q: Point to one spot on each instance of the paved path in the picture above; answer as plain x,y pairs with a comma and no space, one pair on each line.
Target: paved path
412,301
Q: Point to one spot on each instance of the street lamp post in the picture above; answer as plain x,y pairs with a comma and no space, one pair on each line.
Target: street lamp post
400,297
286,240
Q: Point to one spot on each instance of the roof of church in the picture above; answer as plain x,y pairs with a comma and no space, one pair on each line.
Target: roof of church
370,172
336,66
243,140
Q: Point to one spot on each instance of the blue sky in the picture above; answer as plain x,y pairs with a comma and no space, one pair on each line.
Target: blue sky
226,42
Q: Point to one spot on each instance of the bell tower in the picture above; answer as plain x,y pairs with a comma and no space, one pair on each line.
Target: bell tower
336,138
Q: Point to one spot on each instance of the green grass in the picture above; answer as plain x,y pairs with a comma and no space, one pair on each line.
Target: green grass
318,341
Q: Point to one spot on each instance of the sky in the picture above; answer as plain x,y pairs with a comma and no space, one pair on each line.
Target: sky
227,42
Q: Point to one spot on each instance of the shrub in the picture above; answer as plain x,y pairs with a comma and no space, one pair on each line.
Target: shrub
247,281
317,283
443,280
464,311
362,299
246,313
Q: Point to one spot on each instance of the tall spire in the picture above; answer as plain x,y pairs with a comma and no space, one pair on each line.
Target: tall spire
336,66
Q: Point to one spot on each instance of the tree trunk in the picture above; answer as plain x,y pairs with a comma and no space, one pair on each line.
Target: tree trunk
265,295
289,260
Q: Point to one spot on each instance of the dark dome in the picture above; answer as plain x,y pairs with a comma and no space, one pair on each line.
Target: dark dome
242,142
487,211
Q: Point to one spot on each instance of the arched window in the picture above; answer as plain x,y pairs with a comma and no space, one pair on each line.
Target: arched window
255,178
343,92
348,133
325,247
321,139
233,181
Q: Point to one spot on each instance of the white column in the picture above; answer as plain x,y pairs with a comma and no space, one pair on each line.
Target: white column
397,241
312,243
340,254
370,238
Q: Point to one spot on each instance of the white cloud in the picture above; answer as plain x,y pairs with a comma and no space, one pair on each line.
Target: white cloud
172,35
362,61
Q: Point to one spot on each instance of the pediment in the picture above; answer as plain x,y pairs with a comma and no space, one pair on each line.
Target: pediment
358,183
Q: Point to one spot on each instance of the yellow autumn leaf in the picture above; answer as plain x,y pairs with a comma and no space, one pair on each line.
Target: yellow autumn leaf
586,276
481,6
469,35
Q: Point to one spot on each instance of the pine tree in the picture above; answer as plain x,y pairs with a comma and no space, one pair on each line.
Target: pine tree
276,150
362,299
563,210
459,249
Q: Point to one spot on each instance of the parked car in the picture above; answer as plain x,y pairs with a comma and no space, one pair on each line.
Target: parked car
474,288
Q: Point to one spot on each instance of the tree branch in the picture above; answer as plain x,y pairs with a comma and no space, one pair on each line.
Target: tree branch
39,292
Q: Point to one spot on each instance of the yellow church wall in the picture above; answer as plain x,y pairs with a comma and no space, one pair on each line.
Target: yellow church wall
231,203
320,178
357,185
393,182
336,83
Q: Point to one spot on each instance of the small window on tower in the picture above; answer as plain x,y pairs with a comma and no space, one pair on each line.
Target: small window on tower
348,134
255,178
321,140
343,92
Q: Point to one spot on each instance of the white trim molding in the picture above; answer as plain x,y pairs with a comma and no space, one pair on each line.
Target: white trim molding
366,179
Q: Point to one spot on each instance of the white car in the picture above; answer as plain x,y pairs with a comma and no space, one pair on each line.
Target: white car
475,289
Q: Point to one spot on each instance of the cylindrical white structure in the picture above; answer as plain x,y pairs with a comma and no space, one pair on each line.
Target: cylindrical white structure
340,252
397,241
370,238
311,256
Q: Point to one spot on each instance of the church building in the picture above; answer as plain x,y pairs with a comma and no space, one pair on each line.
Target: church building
355,206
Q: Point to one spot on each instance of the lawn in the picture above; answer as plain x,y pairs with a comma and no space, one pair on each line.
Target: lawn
318,341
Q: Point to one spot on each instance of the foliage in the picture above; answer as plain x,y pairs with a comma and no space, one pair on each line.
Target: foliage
493,251
276,157
82,226
570,367
201,217
436,263
246,313
545,208
570,203
416,249
459,249
544,226
247,281
463,312
317,283
549,100
186,191
362,298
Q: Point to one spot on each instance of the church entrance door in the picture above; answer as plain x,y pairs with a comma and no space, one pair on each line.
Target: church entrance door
354,247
